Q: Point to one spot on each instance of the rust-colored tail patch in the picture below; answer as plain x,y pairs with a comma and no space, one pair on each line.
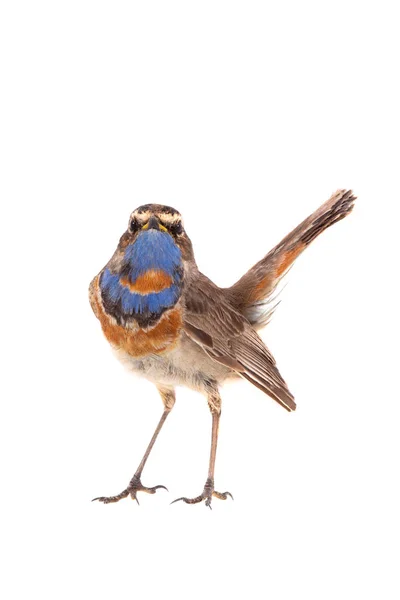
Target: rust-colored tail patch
256,287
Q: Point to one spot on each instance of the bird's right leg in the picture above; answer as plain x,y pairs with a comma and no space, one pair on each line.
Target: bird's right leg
135,484
214,402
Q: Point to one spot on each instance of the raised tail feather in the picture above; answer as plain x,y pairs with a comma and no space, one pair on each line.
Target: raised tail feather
252,294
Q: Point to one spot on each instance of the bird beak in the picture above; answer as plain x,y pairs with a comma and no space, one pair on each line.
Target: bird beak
154,223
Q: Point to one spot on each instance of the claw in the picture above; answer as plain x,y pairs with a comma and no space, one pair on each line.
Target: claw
110,499
152,490
207,496
223,496
189,500
132,489
178,500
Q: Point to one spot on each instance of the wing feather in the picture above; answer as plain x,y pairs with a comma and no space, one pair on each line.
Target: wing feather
227,337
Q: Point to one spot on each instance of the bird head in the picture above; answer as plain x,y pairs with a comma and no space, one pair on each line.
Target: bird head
145,275
152,218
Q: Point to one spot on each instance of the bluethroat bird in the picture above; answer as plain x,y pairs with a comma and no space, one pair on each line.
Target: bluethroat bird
169,323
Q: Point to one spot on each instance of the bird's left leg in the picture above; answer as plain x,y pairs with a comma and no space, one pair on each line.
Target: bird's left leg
214,402
135,484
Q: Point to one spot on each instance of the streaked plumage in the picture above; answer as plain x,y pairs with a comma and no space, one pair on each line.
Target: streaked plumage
171,324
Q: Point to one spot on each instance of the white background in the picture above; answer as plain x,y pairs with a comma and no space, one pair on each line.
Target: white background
245,116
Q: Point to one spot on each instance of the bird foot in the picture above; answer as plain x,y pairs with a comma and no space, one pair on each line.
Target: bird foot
134,486
207,495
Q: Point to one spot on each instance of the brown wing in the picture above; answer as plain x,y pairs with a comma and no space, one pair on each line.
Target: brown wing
251,295
228,338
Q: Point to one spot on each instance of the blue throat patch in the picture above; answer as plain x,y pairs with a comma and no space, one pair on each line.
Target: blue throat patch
152,250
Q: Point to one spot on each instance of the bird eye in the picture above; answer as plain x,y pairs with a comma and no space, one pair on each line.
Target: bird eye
134,226
177,228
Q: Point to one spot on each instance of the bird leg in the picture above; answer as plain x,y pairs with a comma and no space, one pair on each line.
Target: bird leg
135,484
214,401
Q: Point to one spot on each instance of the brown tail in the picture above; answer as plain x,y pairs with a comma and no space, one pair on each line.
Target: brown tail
252,293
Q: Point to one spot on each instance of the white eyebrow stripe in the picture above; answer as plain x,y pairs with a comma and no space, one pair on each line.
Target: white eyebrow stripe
167,218
164,217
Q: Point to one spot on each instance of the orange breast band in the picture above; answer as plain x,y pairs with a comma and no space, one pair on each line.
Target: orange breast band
160,338
152,281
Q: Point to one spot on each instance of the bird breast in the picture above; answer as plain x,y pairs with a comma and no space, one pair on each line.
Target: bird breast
133,339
